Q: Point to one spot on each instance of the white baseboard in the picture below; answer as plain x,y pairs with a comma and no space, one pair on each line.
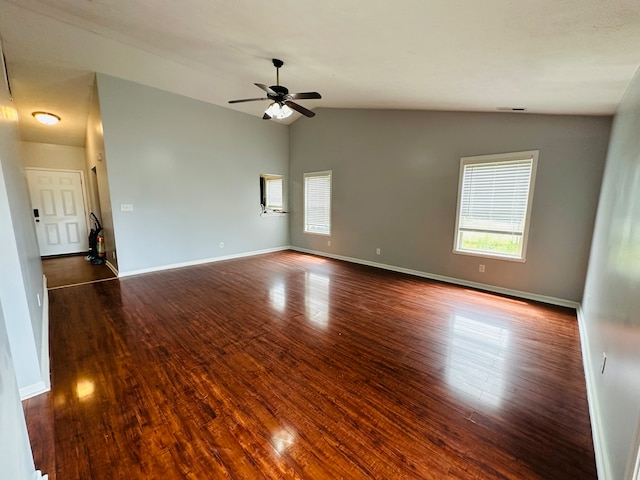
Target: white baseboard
33,390
45,372
201,262
456,281
602,459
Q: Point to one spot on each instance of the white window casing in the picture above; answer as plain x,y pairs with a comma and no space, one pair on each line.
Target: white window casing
495,193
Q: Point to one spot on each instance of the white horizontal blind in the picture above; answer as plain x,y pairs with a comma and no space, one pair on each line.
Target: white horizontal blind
317,202
274,192
494,197
494,204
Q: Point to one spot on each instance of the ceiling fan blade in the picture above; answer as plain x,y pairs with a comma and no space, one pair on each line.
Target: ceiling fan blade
248,100
299,109
265,88
305,95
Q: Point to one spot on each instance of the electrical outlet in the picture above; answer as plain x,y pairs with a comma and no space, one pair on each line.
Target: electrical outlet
481,268
126,207
328,243
221,244
604,362
377,251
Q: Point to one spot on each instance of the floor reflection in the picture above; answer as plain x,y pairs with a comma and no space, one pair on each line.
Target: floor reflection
278,296
316,298
85,389
282,440
476,365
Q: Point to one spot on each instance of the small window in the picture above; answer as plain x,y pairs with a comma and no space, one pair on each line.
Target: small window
495,193
271,196
317,203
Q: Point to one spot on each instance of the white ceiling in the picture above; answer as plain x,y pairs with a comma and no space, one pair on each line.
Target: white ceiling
550,56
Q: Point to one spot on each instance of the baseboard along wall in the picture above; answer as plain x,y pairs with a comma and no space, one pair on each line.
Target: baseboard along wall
201,262
602,459
44,384
455,281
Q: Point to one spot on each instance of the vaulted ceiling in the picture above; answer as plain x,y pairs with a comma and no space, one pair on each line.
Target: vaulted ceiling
548,56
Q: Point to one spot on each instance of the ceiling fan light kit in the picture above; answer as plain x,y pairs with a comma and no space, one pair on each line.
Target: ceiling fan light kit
282,105
277,111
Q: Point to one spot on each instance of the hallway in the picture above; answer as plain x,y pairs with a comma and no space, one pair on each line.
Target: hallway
73,270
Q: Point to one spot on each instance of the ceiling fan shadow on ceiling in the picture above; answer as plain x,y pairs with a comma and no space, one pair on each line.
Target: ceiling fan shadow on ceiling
282,104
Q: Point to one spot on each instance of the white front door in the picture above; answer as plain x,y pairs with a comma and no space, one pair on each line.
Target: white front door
58,208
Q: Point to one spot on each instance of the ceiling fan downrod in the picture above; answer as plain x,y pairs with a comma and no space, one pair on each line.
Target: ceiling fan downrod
277,63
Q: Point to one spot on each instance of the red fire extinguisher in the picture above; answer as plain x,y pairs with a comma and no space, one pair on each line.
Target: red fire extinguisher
100,248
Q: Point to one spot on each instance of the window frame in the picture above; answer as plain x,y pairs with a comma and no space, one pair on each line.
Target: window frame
498,158
323,173
265,179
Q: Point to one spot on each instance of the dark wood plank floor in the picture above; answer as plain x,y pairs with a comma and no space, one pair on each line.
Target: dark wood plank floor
72,270
292,366
40,423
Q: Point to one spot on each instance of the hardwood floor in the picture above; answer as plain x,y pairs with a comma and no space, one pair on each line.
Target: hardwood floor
73,270
39,416
288,365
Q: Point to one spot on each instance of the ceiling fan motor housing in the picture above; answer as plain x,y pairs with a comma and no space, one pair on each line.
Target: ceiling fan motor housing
279,89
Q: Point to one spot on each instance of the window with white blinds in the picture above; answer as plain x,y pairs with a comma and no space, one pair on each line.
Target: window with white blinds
274,193
317,202
494,204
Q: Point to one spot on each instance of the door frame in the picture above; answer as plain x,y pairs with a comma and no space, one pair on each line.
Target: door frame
83,183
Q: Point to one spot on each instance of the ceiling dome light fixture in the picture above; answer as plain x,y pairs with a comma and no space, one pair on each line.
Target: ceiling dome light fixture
46,118
278,111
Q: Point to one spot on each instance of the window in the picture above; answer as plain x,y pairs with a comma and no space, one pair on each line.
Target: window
271,197
317,203
494,204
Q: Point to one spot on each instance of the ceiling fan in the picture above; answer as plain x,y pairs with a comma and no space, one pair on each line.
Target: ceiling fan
282,104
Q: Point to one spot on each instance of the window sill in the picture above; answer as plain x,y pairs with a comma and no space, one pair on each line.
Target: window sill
273,214
489,255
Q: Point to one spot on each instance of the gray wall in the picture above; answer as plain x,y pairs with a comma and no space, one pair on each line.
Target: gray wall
98,182
191,171
395,181
48,155
17,286
611,304
20,317
20,266
16,461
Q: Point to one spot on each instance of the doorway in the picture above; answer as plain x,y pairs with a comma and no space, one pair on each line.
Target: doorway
59,203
